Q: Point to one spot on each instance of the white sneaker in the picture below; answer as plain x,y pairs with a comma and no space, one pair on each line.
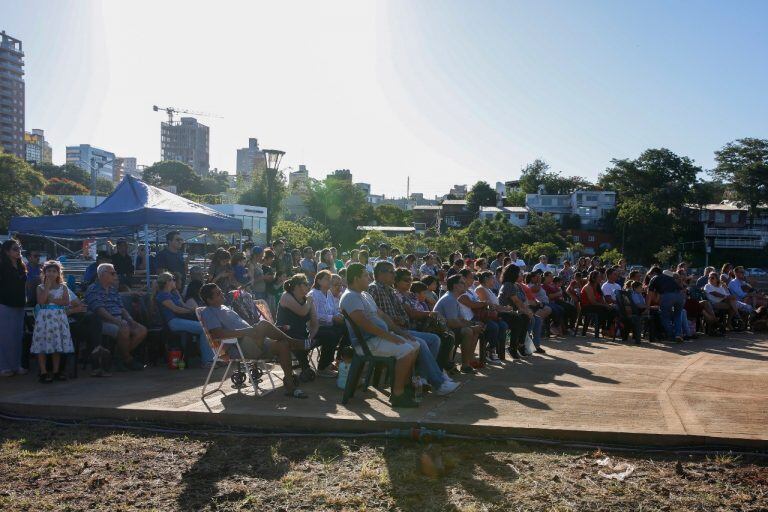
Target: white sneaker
491,356
447,387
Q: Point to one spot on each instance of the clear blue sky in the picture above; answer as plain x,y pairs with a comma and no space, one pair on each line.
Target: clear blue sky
442,91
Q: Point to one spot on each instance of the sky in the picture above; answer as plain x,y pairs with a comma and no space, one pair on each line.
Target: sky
444,92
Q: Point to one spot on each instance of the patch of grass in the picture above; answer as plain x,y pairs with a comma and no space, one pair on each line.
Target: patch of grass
56,468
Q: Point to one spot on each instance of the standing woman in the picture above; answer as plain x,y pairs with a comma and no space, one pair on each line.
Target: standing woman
13,279
297,317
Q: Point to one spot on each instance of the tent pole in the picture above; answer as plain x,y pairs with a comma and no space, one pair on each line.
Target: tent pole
146,252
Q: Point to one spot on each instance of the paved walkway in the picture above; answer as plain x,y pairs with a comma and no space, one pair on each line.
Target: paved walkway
707,391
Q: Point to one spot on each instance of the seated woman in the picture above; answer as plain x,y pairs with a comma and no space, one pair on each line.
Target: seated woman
432,288
337,289
239,270
178,317
495,332
332,329
593,302
192,293
220,271
296,316
517,322
718,295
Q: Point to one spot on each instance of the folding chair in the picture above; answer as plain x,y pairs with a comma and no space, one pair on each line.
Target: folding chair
374,363
220,351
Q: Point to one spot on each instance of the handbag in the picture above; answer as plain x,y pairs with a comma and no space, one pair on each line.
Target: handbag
486,314
529,347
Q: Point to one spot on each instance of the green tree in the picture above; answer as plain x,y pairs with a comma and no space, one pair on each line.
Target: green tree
497,234
172,173
532,251
104,187
481,194
515,199
657,176
18,183
66,172
743,164
256,194
666,254
544,228
341,206
49,204
391,215
64,186
643,227
611,256
300,236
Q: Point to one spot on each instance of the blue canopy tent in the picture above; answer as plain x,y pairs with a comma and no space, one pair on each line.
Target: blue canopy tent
134,206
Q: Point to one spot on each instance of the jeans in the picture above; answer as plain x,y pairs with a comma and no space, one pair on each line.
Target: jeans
518,326
670,306
426,364
496,335
193,327
535,329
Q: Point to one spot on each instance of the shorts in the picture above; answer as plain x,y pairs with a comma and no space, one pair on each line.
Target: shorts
385,348
108,329
255,349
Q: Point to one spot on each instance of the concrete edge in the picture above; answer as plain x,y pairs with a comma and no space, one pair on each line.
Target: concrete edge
330,425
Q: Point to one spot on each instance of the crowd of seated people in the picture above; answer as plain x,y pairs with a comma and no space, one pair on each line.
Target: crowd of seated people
439,317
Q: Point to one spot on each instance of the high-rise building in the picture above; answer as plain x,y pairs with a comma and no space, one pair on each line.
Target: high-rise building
97,162
11,96
125,166
186,141
251,160
299,179
36,148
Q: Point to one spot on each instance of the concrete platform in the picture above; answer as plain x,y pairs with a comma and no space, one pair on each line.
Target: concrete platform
712,391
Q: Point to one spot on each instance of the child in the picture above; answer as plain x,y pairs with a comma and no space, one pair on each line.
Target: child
51,334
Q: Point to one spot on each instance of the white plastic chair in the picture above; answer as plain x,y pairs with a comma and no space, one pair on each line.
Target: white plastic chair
221,353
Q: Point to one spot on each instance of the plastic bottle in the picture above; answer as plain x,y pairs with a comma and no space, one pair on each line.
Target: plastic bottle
417,390
341,380
181,364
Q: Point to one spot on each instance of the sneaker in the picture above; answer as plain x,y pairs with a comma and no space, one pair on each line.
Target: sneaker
6,373
97,372
453,372
467,369
491,357
540,350
447,387
22,371
514,353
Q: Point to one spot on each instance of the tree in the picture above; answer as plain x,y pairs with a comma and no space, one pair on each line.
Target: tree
18,183
104,187
544,228
643,228
63,186
611,257
172,173
256,194
743,164
531,252
390,215
481,194
497,234
657,176
341,206
534,174
666,254
300,236
66,172
48,204
516,198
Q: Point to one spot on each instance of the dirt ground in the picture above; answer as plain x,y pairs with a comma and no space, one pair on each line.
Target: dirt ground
52,467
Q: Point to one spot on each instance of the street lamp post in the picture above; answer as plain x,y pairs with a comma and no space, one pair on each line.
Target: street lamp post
273,157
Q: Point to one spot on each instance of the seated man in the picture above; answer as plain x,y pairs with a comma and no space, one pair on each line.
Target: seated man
718,295
262,340
466,331
747,296
381,335
104,300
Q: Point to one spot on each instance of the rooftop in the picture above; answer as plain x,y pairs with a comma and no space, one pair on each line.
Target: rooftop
505,209
456,201
391,229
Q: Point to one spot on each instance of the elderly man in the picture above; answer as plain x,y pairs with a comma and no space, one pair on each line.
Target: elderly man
104,300
262,340
384,295
542,264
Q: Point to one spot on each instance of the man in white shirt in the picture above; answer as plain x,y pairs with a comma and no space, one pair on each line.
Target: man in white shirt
743,292
541,265
610,286
518,262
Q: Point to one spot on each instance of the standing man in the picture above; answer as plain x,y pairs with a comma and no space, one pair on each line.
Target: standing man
670,301
308,264
171,259
123,263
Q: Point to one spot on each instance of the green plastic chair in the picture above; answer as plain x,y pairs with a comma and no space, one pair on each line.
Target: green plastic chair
373,365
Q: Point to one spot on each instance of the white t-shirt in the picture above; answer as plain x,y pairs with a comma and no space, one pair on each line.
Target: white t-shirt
519,263
610,289
538,266
709,288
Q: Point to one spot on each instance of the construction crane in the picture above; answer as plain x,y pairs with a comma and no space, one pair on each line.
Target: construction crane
173,110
